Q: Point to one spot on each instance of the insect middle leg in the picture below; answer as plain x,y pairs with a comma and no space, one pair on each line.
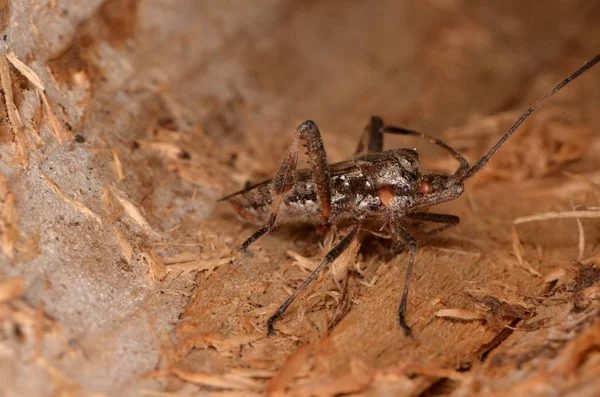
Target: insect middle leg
284,180
408,240
330,257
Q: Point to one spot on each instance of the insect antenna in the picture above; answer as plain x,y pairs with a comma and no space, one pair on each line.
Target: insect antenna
483,161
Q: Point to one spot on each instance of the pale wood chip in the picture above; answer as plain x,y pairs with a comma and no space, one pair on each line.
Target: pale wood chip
576,351
460,314
157,269
157,393
115,210
581,239
38,331
302,261
222,343
126,247
167,150
518,251
181,258
10,289
134,212
118,165
26,71
199,265
220,381
57,129
356,381
557,215
292,365
9,225
21,139
72,202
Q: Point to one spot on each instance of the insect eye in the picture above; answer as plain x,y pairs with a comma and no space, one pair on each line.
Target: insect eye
426,187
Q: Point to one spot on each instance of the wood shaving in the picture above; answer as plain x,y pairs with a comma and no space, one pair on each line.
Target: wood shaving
518,251
155,266
125,245
226,381
156,393
9,220
460,314
181,258
114,209
581,240
199,265
26,71
554,137
223,343
302,261
554,215
576,352
290,368
39,331
22,140
159,271
10,289
60,133
134,212
118,165
557,215
72,202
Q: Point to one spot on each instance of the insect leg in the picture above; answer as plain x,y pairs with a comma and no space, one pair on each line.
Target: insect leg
285,178
412,245
372,137
464,164
372,141
330,257
448,220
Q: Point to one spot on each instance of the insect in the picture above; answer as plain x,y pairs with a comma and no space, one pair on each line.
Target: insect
385,188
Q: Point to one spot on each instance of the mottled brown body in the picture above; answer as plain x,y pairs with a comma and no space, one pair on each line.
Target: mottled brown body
361,189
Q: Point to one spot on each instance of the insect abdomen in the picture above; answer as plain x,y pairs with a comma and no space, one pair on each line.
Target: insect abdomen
254,205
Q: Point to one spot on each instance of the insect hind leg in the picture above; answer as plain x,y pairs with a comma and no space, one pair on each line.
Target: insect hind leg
285,179
330,257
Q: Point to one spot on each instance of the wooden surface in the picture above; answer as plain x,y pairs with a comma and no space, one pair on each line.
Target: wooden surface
119,274
529,340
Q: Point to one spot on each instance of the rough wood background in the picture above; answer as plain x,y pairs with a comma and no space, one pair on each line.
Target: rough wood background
118,273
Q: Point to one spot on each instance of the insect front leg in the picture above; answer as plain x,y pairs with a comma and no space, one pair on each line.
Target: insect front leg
408,240
284,180
330,257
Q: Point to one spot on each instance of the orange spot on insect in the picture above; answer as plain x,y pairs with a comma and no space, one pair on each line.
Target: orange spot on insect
426,187
386,195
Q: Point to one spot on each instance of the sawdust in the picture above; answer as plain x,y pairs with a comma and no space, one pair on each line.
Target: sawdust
77,205
555,137
165,129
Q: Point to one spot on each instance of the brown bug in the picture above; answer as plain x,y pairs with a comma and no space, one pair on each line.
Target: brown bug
384,188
